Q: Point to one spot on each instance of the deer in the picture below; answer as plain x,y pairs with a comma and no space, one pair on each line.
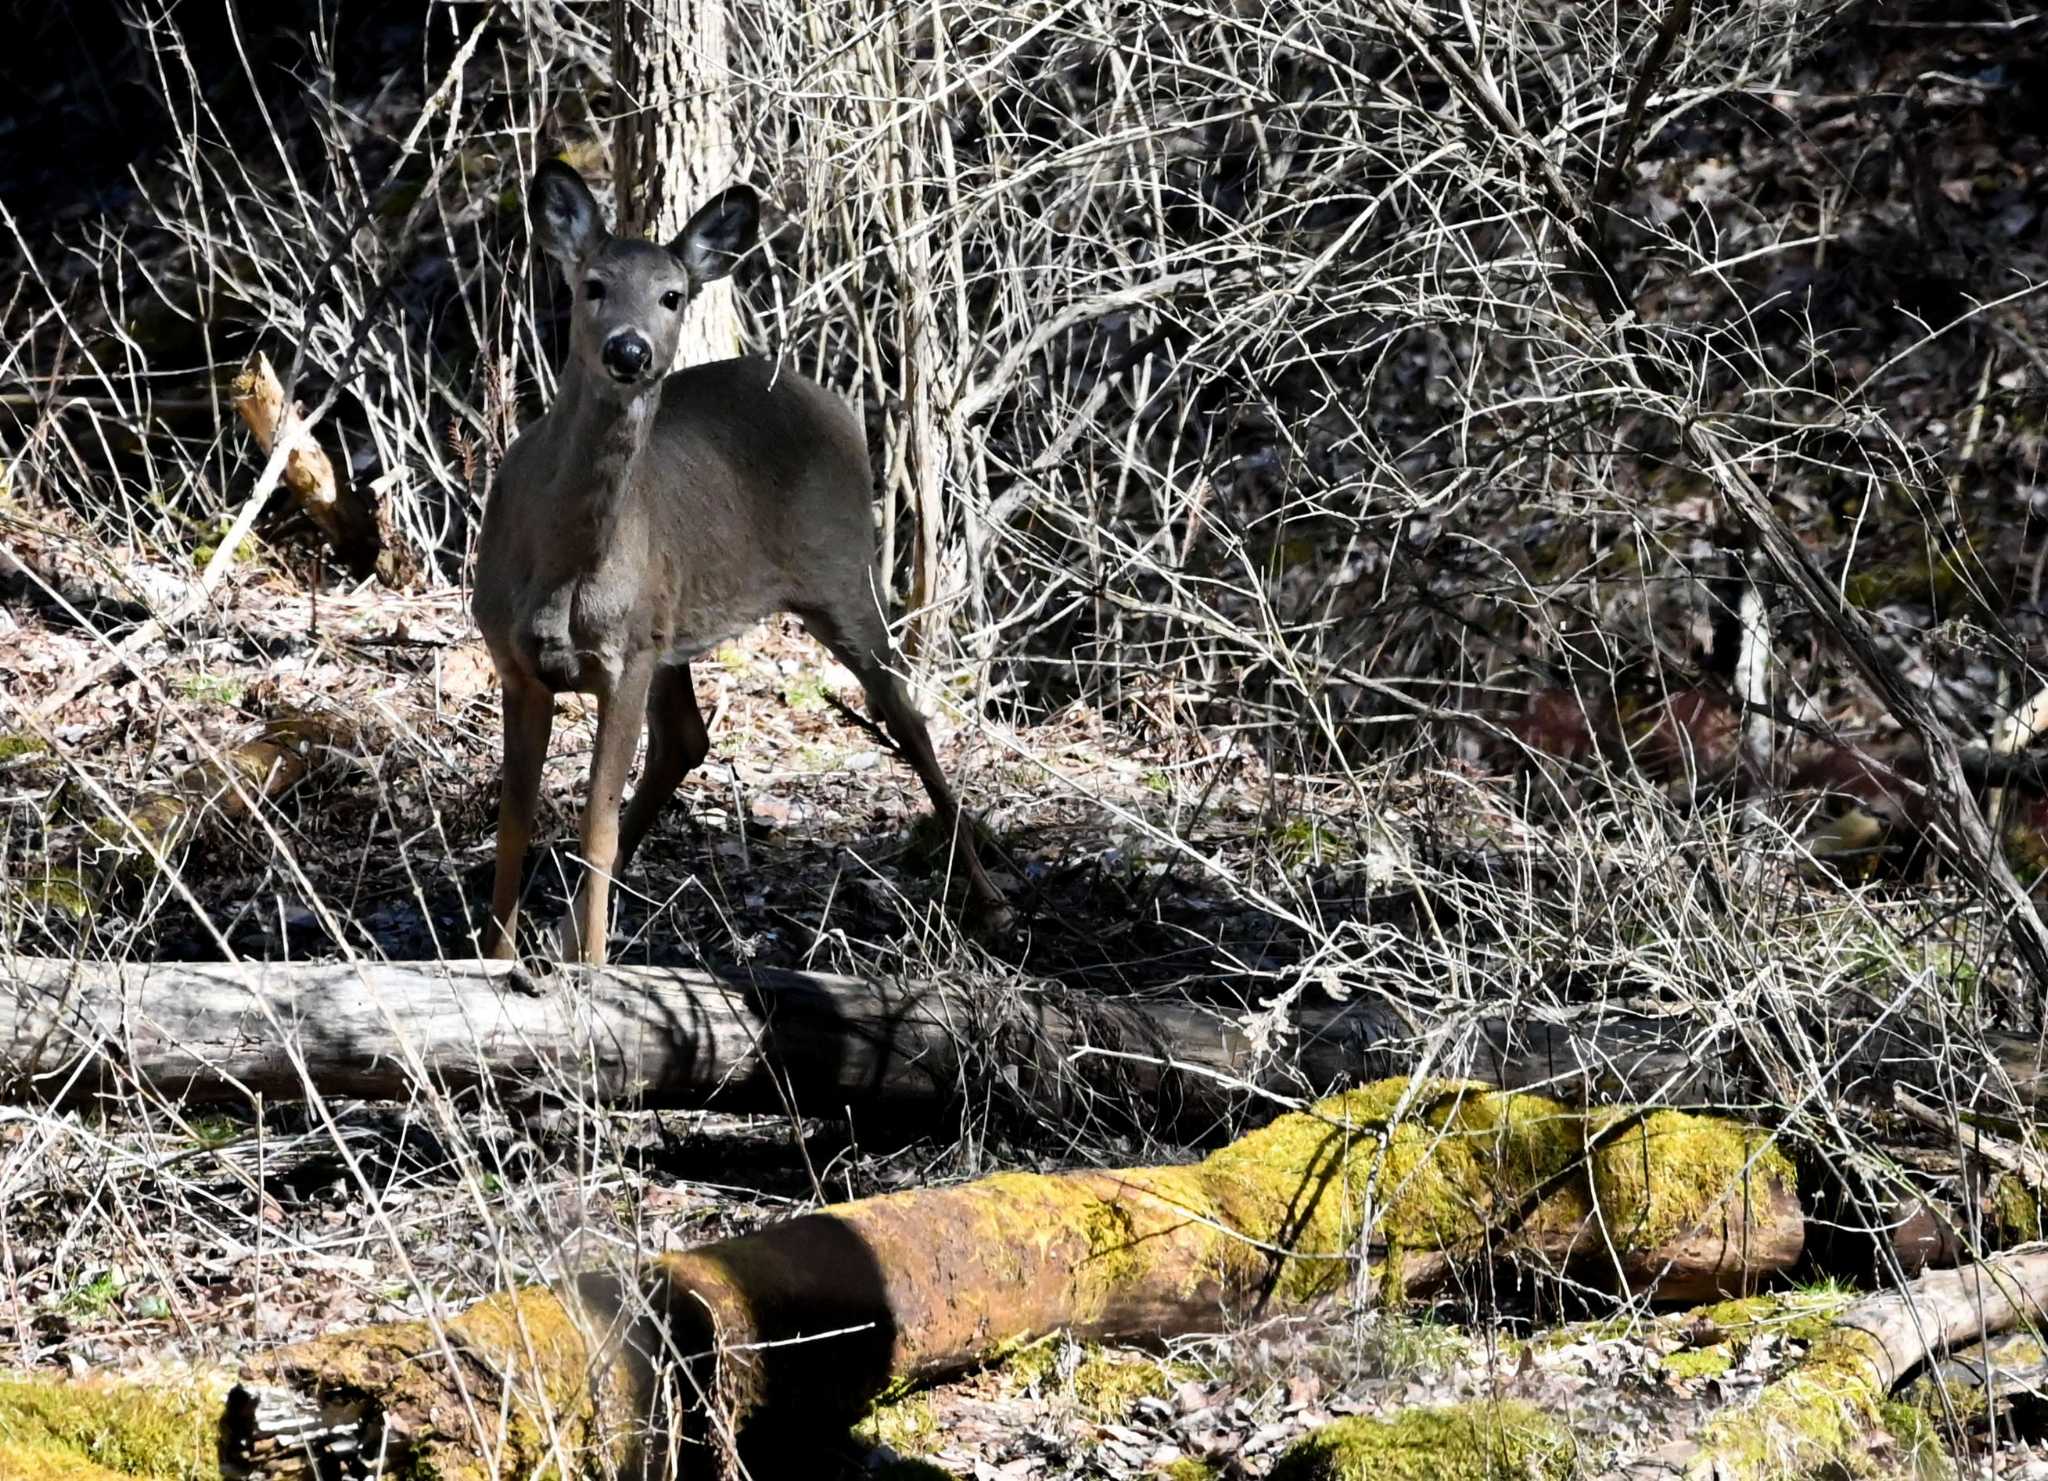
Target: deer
647,517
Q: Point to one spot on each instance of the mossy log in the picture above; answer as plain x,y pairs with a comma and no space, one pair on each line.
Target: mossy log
1818,1418
224,785
1479,1441
779,1334
56,1428
745,1039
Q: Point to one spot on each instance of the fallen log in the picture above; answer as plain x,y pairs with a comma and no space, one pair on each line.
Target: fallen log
1817,1418
224,786
780,1335
760,1039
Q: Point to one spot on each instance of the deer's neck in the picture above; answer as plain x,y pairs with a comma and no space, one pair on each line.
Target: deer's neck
603,439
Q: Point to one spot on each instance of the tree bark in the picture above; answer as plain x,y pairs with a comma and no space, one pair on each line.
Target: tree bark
672,147
794,1329
826,1045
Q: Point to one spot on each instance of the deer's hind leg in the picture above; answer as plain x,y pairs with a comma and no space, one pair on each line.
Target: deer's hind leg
866,652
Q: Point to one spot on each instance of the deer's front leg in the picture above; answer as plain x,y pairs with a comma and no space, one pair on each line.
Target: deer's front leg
620,715
529,718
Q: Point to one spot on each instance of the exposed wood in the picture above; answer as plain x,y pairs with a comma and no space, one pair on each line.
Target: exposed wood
2023,1162
764,1040
1753,686
765,1342
2014,732
343,516
768,1040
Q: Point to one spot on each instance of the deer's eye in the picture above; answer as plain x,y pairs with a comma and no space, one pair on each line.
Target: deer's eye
672,300
594,291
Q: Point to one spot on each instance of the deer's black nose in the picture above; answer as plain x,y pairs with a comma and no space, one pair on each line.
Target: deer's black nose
626,354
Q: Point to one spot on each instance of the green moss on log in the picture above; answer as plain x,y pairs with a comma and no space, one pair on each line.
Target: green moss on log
1434,1180
1803,1316
68,893
1696,1161
1815,1420
552,1397
86,1430
1461,1442
2014,1210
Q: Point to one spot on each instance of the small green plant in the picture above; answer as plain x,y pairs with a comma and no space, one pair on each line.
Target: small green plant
211,689
1300,841
210,536
907,1424
213,1130
15,747
96,1297
804,690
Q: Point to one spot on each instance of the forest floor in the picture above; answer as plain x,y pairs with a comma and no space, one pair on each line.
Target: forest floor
160,1240
1166,853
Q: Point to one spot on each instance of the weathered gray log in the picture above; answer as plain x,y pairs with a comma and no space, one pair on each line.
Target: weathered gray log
744,1040
821,1045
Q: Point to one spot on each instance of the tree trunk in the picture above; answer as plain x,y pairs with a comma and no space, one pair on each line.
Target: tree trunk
672,147
783,1334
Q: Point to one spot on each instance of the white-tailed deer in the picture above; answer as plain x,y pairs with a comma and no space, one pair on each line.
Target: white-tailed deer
647,517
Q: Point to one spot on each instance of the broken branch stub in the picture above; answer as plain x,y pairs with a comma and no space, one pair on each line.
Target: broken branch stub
351,524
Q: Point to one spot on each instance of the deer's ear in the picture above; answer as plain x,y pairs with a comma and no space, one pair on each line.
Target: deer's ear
720,233
566,221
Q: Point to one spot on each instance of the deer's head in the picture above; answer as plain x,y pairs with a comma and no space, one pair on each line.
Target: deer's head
630,294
